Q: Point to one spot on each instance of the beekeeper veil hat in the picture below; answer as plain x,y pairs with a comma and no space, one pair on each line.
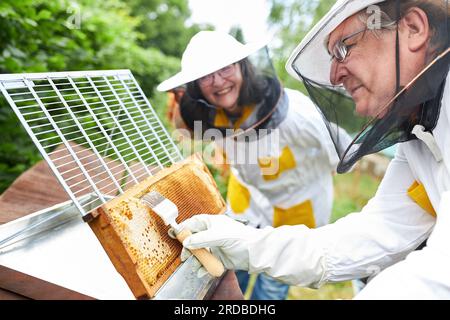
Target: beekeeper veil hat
412,105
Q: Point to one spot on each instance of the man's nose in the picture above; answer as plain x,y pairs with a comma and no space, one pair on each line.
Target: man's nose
338,72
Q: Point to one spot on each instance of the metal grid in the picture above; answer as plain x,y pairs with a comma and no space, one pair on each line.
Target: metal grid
96,130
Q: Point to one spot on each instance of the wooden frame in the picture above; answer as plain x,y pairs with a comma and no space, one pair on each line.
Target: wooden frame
112,239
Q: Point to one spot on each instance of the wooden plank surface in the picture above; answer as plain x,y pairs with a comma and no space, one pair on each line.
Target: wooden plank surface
8,295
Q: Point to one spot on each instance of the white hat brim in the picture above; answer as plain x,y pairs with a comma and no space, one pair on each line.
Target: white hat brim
184,77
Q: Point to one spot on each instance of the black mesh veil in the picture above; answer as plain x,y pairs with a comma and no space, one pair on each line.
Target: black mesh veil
415,103
418,103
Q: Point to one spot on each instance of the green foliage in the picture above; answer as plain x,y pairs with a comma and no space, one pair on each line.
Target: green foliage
221,181
16,154
41,36
237,33
292,20
162,24
64,35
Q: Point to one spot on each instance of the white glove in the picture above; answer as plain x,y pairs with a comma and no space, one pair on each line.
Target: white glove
286,253
227,239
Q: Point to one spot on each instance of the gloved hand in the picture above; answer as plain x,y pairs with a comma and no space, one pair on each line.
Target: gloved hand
287,253
227,239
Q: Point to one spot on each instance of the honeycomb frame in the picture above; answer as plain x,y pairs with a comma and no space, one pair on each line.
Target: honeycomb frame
136,239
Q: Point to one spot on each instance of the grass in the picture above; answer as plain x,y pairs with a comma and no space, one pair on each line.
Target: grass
330,291
351,193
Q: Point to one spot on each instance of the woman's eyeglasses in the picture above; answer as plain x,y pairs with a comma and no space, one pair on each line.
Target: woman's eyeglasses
341,49
225,72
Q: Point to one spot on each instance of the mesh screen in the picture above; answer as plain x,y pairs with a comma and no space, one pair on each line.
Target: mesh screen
106,115
416,103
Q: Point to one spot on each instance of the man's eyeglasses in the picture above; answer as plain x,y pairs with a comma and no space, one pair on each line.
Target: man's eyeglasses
225,72
341,49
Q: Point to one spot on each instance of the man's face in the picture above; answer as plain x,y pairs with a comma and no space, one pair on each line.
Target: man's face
368,72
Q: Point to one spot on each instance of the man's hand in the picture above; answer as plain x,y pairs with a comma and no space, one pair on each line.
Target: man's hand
227,239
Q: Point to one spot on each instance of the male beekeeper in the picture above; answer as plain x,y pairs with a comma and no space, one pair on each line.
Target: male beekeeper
232,89
382,66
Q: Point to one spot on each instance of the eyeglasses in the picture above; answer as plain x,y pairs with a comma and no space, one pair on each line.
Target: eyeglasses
225,72
341,49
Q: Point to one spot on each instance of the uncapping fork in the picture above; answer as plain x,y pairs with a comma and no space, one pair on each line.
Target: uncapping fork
168,211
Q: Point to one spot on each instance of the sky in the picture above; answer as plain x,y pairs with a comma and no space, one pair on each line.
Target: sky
223,14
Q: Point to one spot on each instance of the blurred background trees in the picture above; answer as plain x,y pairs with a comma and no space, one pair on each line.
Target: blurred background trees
145,36
291,20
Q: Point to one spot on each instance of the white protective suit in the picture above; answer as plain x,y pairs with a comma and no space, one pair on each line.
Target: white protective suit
300,189
415,189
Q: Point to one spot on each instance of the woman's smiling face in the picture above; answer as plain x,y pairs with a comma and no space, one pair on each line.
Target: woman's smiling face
222,88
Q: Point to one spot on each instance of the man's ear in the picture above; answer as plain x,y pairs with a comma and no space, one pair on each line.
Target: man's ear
416,28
